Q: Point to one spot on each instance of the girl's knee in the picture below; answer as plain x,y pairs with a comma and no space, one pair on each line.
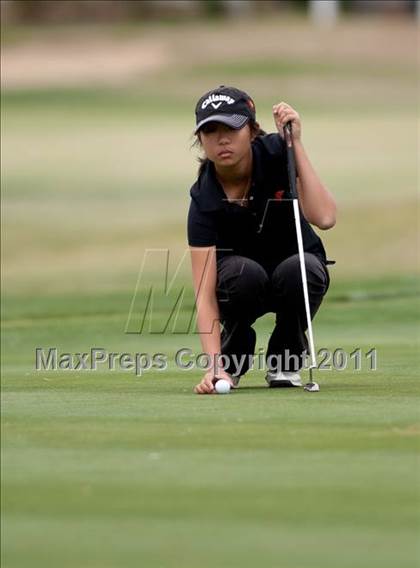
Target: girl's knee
288,278
243,278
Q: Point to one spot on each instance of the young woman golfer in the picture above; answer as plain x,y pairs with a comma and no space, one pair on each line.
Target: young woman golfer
242,238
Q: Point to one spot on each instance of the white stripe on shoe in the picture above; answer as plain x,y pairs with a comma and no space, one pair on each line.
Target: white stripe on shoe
283,379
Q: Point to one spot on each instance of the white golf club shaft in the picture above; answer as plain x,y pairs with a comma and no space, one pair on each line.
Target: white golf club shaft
291,168
296,213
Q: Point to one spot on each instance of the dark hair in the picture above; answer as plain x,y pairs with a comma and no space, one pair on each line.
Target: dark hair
255,131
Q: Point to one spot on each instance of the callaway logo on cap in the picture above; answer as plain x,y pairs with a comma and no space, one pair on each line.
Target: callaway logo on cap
227,105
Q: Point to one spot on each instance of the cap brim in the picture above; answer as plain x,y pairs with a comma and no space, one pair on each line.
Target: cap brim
235,121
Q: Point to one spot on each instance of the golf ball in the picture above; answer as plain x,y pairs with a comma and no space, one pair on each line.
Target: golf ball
222,386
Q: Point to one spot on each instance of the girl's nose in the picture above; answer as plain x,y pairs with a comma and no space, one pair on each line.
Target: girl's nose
223,136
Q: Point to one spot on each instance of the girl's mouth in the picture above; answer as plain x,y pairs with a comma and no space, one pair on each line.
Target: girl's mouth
224,154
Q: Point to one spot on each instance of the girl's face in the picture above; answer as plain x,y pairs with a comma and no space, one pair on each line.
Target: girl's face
223,145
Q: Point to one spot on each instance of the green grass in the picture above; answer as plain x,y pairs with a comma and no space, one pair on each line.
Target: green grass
108,469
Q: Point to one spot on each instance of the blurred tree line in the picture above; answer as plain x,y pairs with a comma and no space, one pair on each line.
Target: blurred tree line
65,11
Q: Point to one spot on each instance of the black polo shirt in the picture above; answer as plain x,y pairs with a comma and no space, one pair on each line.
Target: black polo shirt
265,230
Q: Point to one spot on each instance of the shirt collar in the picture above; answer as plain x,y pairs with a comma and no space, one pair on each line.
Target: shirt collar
207,191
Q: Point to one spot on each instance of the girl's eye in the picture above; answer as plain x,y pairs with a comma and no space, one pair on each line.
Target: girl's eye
209,128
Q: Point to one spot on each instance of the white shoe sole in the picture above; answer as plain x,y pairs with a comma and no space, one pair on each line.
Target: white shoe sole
283,383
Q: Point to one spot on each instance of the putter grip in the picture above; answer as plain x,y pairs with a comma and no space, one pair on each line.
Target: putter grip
291,166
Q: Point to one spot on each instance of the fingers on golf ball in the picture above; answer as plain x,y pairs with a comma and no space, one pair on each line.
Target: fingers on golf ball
222,386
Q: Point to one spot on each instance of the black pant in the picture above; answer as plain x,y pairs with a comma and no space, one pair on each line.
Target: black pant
245,292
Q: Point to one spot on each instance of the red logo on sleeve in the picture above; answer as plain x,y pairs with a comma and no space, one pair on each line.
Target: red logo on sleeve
279,194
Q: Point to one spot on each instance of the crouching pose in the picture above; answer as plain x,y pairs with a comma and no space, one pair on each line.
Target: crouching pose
242,238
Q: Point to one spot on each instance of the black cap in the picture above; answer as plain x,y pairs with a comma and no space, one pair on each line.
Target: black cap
227,105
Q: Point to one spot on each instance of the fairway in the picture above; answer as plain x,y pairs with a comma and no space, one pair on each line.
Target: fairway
109,469
106,469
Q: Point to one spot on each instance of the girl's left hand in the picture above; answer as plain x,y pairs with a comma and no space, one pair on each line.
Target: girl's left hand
284,113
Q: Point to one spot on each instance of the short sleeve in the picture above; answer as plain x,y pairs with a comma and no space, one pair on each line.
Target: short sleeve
273,146
201,227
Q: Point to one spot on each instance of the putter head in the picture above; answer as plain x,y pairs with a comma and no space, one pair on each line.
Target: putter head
311,387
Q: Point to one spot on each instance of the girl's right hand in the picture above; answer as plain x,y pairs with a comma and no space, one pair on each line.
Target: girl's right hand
206,386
